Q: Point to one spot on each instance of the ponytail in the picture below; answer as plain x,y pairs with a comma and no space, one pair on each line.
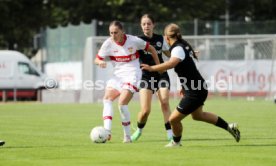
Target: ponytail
188,44
179,36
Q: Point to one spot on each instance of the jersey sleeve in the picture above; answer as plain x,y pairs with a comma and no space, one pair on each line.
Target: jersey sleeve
165,46
104,51
141,44
178,52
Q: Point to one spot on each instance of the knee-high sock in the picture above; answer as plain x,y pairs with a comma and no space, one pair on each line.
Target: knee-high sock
168,129
125,117
107,114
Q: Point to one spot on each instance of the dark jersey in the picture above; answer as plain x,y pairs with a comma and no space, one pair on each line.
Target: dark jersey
145,57
191,80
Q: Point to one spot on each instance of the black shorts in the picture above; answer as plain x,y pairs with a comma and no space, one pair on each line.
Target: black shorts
154,82
189,104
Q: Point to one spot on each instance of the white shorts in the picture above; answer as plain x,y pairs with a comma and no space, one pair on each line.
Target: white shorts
119,83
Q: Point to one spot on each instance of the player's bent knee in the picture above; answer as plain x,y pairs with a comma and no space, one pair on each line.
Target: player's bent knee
173,120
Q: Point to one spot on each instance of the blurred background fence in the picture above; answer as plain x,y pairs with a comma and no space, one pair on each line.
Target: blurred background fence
246,56
65,44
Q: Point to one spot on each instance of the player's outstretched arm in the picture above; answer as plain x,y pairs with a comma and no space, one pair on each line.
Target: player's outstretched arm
162,67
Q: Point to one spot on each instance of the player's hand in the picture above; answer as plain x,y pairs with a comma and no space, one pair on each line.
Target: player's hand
146,67
102,64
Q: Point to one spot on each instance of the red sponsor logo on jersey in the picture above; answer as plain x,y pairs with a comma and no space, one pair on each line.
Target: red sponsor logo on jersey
126,58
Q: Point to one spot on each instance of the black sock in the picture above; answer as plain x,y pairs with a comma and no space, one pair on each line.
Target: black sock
222,123
177,139
141,125
168,126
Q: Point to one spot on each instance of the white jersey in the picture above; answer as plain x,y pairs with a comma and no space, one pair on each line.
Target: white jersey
124,57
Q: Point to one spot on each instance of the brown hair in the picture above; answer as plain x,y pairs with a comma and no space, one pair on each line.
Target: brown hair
173,31
148,16
117,24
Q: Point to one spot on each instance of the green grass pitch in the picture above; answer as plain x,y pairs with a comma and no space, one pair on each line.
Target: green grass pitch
58,135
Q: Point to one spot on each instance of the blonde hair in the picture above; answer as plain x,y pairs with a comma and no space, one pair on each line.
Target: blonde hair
173,31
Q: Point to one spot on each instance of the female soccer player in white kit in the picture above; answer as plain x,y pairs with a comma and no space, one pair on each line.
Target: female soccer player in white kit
122,49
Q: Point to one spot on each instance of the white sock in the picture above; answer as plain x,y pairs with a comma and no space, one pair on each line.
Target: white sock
125,117
140,130
107,114
169,133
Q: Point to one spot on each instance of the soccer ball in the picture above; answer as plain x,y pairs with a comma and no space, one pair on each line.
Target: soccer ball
99,134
